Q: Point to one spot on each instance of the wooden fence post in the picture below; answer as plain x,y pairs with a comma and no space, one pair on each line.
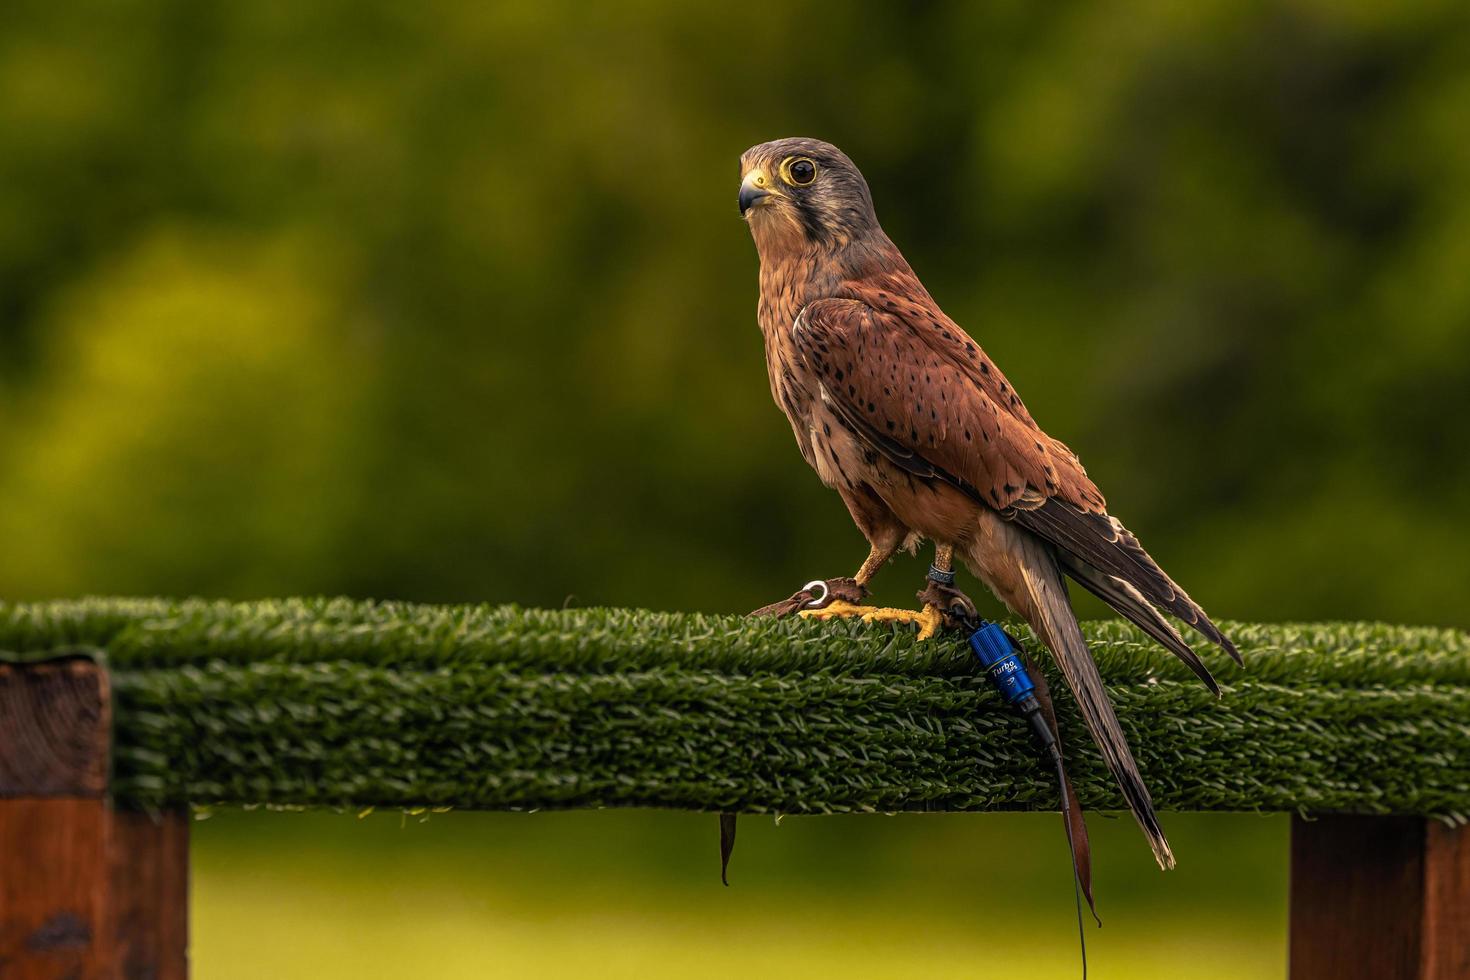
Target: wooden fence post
1386,898
86,890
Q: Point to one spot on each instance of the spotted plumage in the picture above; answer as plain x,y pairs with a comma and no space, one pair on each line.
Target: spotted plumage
902,413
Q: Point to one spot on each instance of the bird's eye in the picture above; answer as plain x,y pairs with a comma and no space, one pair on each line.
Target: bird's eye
798,170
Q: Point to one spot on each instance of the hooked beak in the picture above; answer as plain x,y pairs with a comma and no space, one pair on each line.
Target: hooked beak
756,187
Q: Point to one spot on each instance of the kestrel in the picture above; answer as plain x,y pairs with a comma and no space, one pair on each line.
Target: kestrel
903,414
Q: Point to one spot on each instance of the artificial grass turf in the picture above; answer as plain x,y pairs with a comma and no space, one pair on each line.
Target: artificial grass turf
346,703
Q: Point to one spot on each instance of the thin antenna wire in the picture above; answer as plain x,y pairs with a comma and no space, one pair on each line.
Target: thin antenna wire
1072,847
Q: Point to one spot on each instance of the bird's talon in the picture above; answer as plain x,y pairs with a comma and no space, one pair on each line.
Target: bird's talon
838,609
929,619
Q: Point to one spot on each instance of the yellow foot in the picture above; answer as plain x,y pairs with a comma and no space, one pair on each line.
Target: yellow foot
929,619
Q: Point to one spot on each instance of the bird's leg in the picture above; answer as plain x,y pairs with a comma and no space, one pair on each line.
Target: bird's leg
877,557
940,598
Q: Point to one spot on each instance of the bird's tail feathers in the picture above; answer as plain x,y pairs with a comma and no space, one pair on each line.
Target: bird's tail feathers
1050,614
1129,603
1102,542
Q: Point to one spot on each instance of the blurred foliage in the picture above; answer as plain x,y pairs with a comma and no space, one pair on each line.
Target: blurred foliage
449,301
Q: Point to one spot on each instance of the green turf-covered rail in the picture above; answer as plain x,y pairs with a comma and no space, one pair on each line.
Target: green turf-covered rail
345,703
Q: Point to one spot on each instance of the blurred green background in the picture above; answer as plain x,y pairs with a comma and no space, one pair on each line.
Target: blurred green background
449,301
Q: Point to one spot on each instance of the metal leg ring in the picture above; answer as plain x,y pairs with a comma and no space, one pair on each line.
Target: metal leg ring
940,575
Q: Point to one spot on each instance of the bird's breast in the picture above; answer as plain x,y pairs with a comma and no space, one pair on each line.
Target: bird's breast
783,293
787,287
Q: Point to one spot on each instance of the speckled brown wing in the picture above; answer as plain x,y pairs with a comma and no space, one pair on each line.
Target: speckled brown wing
903,298
938,417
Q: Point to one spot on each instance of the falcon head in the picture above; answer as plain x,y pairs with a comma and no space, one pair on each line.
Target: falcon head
803,192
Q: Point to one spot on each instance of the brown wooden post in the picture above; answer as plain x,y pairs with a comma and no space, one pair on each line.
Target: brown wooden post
1386,898
86,890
